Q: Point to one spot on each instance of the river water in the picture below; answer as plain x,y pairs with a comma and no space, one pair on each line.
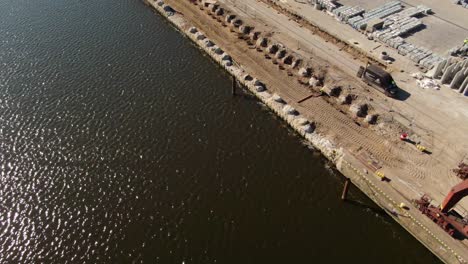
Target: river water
120,143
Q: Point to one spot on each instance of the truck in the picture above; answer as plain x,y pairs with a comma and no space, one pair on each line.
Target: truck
378,78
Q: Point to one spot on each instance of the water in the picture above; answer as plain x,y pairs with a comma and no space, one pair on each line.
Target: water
120,143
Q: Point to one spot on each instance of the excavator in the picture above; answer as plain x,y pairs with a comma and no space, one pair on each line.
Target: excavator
444,215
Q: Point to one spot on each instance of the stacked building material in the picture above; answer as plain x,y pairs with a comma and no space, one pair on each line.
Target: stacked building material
406,18
419,53
395,42
459,51
385,10
430,61
329,5
400,24
352,21
398,28
376,12
407,13
344,13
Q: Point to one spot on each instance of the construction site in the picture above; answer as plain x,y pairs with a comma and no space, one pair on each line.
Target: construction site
379,87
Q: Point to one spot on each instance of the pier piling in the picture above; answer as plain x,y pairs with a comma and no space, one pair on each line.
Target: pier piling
345,189
234,84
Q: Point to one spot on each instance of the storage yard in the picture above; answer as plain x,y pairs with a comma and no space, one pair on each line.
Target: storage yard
306,57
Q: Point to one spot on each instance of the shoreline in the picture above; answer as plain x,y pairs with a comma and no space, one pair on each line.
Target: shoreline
346,163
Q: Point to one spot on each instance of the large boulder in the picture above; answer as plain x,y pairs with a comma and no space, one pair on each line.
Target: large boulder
281,54
219,11
229,18
273,48
305,71
244,29
262,42
287,109
278,99
254,35
359,109
200,36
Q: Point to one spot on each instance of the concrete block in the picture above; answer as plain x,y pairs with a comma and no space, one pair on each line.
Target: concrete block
458,79
448,74
464,87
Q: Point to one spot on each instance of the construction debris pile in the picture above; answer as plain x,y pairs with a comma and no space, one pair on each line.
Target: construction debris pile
389,24
427,83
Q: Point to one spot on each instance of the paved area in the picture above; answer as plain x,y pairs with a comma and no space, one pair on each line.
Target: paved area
446,28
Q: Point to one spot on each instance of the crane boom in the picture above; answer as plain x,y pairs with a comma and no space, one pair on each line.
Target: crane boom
454,196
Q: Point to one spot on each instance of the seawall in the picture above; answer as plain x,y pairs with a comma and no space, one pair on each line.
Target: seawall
343,159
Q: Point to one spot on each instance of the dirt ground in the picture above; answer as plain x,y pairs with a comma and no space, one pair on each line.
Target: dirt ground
437,119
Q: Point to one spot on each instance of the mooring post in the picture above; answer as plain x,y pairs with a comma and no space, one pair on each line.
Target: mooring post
234,85
345,189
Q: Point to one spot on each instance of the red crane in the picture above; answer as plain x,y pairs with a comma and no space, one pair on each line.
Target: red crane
448,219
454,196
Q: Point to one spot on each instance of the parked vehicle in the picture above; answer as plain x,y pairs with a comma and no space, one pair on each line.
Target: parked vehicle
378,78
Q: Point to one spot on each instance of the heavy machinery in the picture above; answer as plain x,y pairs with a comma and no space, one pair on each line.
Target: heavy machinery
378,78
444,216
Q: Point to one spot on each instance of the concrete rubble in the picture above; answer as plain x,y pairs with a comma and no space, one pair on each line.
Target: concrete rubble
427,83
